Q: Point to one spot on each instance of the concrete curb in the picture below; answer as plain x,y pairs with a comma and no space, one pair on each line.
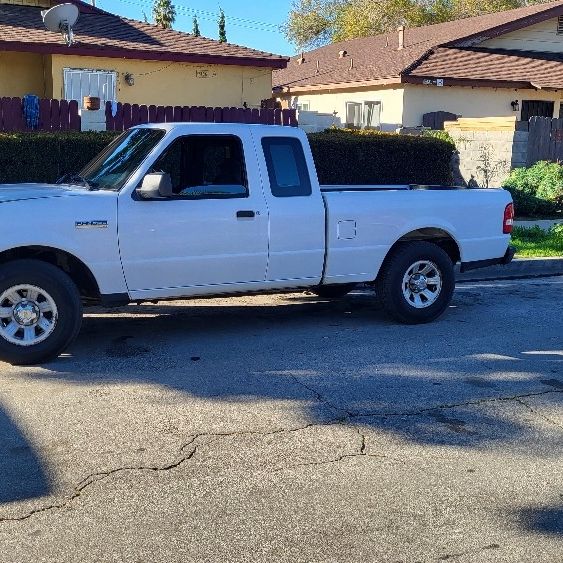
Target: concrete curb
518,268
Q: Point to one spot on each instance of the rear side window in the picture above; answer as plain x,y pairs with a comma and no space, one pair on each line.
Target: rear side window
287,167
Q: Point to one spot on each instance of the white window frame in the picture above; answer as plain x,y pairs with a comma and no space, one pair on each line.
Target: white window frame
560,25
365,124
358,113
303,106
91,82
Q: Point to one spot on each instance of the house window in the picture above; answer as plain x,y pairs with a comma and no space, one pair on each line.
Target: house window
372,115
532,108
560,25
353,115
303,106
79,82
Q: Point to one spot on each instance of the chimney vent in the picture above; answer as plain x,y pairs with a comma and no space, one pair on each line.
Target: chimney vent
301,59
401,30
342,54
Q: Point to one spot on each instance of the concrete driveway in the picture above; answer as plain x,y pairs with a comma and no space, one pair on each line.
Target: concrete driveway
288,428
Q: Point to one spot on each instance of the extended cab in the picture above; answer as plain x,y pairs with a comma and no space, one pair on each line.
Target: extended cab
186,210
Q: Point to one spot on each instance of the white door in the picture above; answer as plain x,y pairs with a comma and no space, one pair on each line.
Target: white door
296,207
211,235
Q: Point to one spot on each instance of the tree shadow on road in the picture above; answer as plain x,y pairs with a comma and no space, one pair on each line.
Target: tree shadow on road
446,383
544,520
21,472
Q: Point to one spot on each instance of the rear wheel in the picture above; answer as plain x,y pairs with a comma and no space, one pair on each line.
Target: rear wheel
40,312
333,291
416,283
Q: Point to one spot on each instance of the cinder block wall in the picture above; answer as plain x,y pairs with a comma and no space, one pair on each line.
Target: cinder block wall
495,151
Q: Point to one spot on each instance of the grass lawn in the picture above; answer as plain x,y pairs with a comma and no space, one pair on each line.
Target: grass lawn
534,241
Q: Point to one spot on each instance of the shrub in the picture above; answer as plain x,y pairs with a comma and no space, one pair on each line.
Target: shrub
370,157
439,134
44,157
537,190
341,156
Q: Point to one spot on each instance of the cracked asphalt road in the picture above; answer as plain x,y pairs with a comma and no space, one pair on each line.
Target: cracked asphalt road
289,428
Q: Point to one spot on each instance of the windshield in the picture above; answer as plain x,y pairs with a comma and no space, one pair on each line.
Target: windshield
113,166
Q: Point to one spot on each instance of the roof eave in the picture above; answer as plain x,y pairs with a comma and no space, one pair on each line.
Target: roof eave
139,54
526,21
284,89
469,82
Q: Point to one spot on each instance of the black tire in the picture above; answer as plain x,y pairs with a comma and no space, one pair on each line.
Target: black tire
389,284
64,293
334,291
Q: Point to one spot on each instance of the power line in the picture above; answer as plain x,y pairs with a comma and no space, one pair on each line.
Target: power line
211,16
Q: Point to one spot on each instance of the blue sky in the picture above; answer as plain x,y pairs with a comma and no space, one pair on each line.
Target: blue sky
254,24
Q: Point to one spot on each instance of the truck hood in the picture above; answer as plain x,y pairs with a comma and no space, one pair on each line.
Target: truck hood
19,192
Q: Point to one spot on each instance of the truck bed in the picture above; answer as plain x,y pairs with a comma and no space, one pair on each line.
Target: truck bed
388,187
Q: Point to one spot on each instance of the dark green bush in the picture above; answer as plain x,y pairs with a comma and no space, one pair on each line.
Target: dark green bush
44,157
341,157
537,191
367,157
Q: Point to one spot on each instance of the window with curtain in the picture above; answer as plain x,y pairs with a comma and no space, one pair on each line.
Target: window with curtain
372,115
353,114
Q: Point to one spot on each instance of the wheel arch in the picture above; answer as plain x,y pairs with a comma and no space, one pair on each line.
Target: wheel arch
75,268
436,235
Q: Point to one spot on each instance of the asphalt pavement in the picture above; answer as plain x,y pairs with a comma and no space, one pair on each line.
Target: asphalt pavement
292,429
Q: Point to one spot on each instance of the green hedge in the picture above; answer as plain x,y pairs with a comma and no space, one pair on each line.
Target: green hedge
537,191
341,157
362,157
44,157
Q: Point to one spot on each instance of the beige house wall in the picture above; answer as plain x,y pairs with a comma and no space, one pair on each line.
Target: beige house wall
467,101
540,37
328,101
23,73
173,83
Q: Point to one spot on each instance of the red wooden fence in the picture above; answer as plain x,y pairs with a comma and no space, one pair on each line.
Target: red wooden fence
54,115
62,115
128,115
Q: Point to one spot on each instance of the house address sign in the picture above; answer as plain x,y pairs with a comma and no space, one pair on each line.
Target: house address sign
433,81
205,73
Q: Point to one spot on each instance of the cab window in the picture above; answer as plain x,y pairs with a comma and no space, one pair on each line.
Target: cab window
287,167
205,167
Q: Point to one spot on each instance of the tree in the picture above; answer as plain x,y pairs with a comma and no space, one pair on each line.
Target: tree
222,28
312,23
164,13
195,30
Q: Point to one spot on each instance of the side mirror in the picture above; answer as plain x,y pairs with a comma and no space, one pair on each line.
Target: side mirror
156,185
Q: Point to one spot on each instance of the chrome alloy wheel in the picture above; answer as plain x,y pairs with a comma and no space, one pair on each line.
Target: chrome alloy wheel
28,315
422,284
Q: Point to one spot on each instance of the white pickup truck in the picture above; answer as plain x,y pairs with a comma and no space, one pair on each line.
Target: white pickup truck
188,210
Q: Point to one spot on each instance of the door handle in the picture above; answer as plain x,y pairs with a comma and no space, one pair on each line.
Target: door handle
241,214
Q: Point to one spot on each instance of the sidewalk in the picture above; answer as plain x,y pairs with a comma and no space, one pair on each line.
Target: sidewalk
518,268
542,223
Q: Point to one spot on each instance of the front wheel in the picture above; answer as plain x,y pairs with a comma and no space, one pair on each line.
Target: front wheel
40,312
416,282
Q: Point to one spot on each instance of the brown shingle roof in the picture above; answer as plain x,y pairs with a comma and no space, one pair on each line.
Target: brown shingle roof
100,33
378,58
462,64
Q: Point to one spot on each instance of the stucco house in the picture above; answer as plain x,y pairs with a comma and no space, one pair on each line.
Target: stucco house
125,60
508,63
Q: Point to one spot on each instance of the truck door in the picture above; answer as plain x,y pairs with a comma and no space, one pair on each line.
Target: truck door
212,232
295,205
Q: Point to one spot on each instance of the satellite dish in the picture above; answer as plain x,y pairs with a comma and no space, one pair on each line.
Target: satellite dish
61,19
